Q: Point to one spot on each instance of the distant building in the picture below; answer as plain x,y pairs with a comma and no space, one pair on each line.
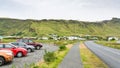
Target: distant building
44,38
75,38
112,38
72,38
30,37
54,36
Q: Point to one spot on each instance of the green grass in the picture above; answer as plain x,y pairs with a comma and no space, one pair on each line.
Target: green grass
89,59
60,55
55,42
39,28
58,42
112,44
8,40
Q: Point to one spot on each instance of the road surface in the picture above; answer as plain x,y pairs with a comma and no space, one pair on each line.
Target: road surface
72,59
109,55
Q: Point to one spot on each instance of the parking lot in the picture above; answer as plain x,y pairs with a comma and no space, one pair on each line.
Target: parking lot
31,57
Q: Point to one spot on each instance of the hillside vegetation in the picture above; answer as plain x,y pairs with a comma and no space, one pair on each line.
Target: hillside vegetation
17,27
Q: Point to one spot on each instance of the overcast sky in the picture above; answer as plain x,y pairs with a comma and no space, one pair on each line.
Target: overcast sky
84,10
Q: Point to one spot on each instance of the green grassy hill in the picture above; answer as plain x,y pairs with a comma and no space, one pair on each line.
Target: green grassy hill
61,27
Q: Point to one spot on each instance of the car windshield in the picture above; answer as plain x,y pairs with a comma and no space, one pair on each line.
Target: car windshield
30,41
13,45
22,44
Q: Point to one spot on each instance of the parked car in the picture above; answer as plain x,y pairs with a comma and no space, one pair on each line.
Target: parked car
17,51
24,45
5,56
30,42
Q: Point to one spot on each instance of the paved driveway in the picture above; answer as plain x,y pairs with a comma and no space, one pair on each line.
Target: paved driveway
72,59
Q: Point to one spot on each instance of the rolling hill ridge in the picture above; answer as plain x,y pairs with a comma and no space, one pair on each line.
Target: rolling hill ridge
29,27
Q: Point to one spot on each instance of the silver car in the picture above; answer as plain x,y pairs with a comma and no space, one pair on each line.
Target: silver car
24,45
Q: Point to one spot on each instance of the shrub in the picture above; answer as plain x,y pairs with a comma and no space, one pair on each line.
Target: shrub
113,39
61,48
49,56
32,65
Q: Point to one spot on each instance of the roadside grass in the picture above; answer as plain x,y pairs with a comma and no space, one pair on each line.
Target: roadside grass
89,59
112,44
57,42
59,54
8,40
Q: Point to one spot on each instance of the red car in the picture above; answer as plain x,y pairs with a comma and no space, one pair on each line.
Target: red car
30,42
17,51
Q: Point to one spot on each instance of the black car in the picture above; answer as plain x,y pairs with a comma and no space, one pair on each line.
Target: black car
23,45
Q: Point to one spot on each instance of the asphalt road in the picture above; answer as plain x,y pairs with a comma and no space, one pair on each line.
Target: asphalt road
30,58
72,59
109,55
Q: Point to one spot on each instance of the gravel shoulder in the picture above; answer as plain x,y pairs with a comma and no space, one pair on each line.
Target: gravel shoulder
33,57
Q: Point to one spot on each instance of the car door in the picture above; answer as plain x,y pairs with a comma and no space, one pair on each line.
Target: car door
10,47
1,46
22,45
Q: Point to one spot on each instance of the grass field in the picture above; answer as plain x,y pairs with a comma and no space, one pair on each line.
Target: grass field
112,44
39,28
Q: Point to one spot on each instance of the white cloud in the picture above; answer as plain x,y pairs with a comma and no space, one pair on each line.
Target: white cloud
66,9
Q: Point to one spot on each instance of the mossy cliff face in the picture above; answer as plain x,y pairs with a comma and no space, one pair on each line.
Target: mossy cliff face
44,27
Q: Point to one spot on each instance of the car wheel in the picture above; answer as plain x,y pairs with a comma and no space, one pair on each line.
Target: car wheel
19,54
2,61
29,50
38,47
